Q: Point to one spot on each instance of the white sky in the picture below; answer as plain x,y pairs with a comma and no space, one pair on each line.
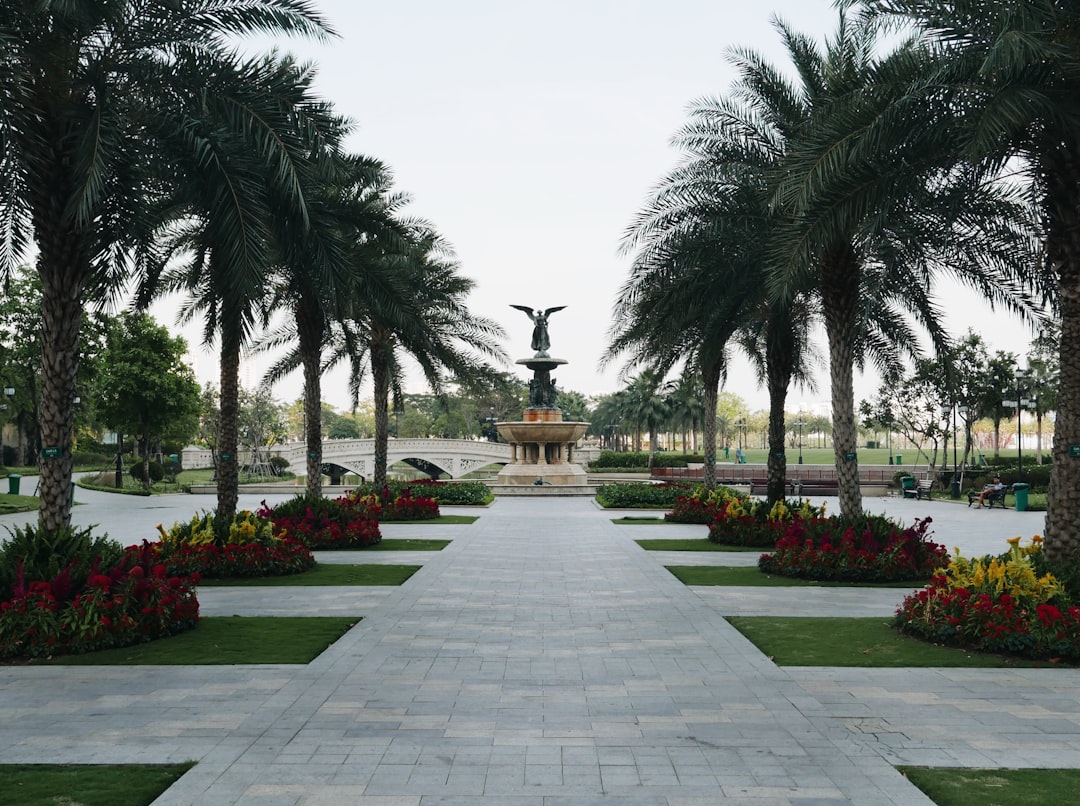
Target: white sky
529,134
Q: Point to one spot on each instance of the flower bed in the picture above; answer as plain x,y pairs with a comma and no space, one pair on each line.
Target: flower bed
133,601
399,503
745,521
870,549
245,546
996,604
320,523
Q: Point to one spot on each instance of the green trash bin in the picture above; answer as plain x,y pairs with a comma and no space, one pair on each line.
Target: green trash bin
899,458
13,483
1020,490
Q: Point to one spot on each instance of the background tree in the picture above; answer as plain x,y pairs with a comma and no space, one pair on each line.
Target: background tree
260,424
144,388
1045,379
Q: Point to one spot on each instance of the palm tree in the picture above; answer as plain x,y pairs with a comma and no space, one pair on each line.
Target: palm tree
1012,74
88,93
870,220
236,238
684,399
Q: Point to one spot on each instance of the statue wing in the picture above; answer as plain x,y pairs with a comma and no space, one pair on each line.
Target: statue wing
525,308
552,310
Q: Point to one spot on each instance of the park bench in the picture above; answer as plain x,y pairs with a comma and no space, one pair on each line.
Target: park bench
761,485
917,489
817,487
997,496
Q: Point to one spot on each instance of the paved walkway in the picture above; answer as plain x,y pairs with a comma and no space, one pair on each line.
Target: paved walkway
544,658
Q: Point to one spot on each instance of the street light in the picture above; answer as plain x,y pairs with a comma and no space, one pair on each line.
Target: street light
963,411
493,435
1022,376
954,487
800,423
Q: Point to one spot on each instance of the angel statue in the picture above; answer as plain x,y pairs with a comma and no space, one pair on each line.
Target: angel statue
540,339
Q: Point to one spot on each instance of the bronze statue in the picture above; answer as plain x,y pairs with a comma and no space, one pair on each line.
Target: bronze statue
540,339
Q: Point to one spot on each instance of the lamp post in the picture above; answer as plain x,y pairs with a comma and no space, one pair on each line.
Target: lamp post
963,411
955,486
493,435
1022,376
800,422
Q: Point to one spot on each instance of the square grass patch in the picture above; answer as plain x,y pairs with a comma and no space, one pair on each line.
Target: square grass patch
325,574
977,787
866,642
228,640
751,576
87,784
690,544
406,544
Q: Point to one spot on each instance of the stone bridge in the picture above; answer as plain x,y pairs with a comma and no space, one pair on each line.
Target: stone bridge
455,457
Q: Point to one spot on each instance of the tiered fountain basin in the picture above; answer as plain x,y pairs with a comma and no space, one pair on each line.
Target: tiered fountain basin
542,450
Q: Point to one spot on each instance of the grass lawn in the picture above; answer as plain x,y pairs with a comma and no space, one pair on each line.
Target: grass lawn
17,503
87,784
690,544
440,519
644,520
406,544
752,577
326,574
218,641
963,787
798,641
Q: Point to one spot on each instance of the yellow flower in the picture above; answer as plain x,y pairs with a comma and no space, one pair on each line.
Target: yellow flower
1013,541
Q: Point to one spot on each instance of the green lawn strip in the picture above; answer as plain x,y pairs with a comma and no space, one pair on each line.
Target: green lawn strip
87,784
691,544
819,641
18,503
406,544
976,787
326,574
750,576
643,520
440,519
218,641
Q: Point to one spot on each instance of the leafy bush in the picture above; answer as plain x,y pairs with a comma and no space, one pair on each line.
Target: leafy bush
639,459
640,495
242,546
1006,603
90,459
35,553
157,472
467,493
870,548
279,463
701,505
119,603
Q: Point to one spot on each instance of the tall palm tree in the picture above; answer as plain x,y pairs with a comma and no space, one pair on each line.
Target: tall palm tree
1010,74
88,93
684,396
870,225
238,214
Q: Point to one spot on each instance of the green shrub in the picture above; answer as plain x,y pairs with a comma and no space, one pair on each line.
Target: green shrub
638,459
33,553
467,493
641,495
278,463
90,459
157,472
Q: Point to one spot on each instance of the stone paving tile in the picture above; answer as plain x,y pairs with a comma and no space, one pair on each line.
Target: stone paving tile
544,658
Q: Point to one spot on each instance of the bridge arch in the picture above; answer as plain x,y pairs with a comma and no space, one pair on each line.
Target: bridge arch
455,457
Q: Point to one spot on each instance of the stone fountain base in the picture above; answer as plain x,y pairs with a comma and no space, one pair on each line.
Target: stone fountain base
542,450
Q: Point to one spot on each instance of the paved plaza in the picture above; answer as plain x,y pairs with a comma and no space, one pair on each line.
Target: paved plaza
543,658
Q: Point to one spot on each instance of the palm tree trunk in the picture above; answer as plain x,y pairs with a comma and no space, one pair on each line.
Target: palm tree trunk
380,378
1061,173
711,378
309,331
228,469
61,271
840,300
779,371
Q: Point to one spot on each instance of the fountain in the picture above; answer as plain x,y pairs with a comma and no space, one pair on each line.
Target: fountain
541,443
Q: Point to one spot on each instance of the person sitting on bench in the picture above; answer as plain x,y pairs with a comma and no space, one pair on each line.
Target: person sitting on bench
995,487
